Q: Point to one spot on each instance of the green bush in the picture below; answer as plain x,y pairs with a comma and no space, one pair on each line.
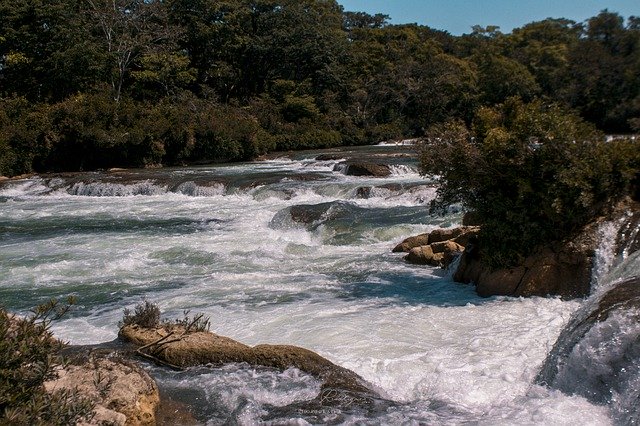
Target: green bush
29,355
532,172
145,315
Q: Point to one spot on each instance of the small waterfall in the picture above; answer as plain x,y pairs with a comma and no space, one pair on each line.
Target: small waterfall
190,188
402,169
597,355
605,253
107,189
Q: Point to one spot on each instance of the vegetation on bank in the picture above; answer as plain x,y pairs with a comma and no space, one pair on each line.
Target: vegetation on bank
532,173
88,84
29,356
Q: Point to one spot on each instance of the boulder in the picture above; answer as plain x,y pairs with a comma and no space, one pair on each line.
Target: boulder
563,268
363,192
445,234
461,235
357,168
436,254
123,392
424,255
597,355
412,242
178,347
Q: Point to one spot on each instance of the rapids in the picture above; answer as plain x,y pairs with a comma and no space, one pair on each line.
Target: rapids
224,240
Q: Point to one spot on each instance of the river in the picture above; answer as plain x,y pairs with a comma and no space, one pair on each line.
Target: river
223,240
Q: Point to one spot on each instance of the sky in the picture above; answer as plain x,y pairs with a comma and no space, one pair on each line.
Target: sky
458,16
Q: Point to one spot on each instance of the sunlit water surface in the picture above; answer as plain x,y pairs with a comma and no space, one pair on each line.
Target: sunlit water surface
221,240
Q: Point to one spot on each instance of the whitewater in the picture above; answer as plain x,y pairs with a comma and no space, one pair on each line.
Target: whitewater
223,240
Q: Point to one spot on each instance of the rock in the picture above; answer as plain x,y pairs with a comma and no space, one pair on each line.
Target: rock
173,345
363,192
469,236
562,270
3,178
124,393
353,168
424,255
445,234
559,269
438,248
437,254
597,355
412,242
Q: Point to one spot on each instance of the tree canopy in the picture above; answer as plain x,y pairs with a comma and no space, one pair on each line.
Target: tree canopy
93,83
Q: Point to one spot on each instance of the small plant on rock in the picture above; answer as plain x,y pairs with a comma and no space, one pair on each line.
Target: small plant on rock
145,315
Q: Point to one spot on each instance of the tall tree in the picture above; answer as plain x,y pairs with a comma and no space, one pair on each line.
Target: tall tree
127,30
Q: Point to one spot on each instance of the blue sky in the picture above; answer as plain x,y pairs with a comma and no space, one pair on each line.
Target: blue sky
458,16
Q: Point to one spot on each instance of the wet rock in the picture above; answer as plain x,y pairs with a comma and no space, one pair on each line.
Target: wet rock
177,347
461,235
409,243
437,254
597,355
445,234
559,269
353,168
562,269
123,392
364,192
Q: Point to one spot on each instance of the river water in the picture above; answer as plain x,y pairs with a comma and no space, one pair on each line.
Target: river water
292,251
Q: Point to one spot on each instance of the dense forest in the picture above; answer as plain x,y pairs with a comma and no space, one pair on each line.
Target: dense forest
88,84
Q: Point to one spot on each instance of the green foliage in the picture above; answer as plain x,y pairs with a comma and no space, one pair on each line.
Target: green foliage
98,84
197,323
28,358
532,172
145,315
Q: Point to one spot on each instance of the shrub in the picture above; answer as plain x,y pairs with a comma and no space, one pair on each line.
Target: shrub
145,315
532,172
29,356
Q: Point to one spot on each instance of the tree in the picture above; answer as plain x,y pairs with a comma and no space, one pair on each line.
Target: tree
45,54
532,172
128,29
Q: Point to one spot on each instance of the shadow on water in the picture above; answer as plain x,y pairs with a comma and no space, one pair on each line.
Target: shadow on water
89,296
47,228
408,288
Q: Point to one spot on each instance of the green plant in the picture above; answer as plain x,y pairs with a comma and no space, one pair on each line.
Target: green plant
532,172
145,314
198,323
29,356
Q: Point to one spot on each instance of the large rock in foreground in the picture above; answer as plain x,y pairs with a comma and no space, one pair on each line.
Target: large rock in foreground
123,393
178,347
